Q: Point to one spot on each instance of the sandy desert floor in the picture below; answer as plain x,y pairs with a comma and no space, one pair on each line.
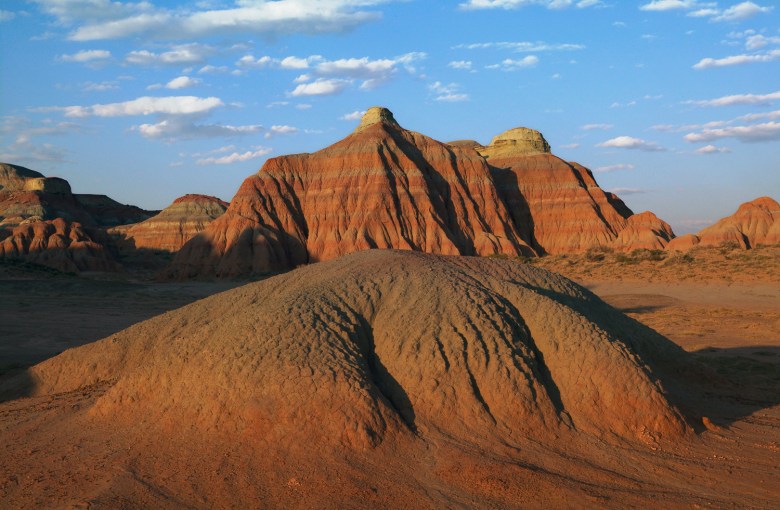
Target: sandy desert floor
722,307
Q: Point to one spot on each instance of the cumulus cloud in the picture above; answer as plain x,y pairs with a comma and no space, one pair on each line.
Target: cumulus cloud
25,148
774,115
321,87
711,149
521,46
356,115
182,82
181,54
614,168
517,4
765,132
515,65
105,19
629,142
738,99
670,5
741,11
464,65
627,191
99,87
447,93
86,56
250,62
281,130
735,60
333,76
234,157
170,105
697,9
592,127
186,127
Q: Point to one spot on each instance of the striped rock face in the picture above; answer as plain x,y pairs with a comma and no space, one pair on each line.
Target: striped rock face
756,222
558,205
386,187
380,187
173,226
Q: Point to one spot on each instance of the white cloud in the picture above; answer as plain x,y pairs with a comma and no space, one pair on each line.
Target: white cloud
185,127
86,56
775,115
517,4
209,69
758,41
6,15
24,148
627,191
629,142
106,19
296,63
464,65
570,146
738,12
711,149
171,105
514,65
448,93
281,130
768,131
669,5
181,54
741,11
592,127
614,168
709,63
738,99
356,115
320,87
372,72
521,46
234,157
249,61
182,82
99,87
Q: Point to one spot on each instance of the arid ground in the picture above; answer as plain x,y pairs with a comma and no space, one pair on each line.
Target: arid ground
721,305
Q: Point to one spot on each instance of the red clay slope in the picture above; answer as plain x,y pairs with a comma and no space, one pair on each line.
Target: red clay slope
380,187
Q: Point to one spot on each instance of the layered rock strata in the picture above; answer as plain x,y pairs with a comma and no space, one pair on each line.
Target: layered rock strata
173,226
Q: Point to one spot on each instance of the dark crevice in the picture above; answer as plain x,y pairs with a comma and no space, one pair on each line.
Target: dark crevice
388,386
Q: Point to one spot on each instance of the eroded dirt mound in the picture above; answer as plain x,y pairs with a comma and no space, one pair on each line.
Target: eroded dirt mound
379,344
59,244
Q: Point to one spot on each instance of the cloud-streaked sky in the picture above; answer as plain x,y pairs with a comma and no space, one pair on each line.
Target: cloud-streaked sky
676,103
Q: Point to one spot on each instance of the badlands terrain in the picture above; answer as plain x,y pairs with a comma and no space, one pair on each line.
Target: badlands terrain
390,322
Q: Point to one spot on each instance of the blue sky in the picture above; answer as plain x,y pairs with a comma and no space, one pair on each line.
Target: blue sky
675,104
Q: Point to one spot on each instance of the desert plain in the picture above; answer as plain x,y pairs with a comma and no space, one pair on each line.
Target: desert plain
722,306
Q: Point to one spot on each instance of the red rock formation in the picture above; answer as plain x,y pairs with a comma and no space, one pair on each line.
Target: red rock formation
58,244
683,242
380,187
556,205
643,231
173,226
14,177
752,224
755,223
25,193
